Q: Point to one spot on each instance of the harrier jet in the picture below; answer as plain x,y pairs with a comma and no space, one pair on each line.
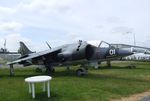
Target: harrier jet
69,54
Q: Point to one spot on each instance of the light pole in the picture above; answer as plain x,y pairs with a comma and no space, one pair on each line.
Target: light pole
134,39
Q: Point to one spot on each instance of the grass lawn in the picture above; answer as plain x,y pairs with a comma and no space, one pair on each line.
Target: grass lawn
99,85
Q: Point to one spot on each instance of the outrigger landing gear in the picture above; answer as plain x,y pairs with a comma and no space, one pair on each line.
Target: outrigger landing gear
68,68
11,70
50,70
81,72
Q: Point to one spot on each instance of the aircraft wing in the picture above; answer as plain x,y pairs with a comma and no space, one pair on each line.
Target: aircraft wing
35,55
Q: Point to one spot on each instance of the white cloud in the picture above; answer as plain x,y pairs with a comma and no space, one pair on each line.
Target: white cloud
10,26
13,41
45,6
5,11
82,19
123,30
74,36
113,19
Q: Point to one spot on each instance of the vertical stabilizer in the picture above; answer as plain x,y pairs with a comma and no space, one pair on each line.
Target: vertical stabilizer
23,50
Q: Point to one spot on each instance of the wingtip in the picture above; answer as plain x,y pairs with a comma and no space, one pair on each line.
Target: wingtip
8,63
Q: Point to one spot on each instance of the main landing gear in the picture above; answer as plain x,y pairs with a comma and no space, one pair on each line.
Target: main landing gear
50,70
81,71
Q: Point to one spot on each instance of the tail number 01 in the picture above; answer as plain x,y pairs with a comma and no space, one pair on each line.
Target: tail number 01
112,51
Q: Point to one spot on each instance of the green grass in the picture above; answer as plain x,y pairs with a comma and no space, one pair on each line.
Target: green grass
98,85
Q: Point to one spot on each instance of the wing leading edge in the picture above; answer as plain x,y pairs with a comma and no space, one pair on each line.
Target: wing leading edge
34,56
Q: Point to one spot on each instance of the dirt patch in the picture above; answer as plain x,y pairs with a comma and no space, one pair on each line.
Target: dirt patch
135,97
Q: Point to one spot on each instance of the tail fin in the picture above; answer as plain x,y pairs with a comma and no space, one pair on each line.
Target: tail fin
23,50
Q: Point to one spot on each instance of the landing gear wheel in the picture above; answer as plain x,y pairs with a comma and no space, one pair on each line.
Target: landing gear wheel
50,70
81,72
53,70
99,67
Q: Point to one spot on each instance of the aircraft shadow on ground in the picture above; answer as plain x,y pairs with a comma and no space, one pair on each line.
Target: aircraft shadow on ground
94,76
113,77
40,96
116,67
122,67
72,73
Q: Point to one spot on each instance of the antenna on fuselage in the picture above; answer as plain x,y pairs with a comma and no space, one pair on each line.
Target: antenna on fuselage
48,45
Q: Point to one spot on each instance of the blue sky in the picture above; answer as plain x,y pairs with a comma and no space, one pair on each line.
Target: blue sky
66,21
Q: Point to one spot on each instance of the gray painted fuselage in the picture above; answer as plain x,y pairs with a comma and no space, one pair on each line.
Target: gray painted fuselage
73,54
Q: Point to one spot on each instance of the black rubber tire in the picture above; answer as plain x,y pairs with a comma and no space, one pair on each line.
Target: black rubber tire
79,72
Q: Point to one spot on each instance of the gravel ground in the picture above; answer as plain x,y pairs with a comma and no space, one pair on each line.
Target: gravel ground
145,96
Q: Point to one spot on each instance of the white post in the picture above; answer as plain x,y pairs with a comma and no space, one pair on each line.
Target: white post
44,88
48,89
33,90
29,87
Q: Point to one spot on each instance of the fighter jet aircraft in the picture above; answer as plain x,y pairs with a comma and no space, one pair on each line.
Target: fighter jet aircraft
69,54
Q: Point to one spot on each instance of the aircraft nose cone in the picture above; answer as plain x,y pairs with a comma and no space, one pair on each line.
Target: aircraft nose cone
125,52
